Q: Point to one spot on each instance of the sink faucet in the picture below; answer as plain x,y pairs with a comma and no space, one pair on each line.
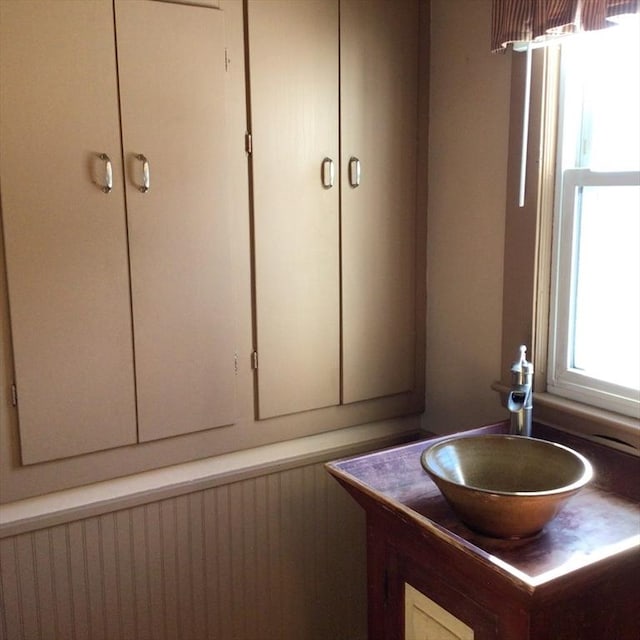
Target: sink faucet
520,398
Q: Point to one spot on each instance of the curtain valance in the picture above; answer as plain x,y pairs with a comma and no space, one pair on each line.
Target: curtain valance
531,20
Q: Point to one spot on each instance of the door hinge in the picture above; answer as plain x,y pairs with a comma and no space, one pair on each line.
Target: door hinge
227,60
235,362
248,143
254,360
14,395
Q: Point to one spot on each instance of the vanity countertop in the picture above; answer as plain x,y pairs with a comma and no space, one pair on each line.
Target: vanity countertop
598,525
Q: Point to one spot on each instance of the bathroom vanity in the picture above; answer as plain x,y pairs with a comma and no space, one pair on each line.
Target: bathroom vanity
430,577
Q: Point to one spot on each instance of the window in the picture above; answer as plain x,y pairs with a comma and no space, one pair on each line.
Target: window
594,339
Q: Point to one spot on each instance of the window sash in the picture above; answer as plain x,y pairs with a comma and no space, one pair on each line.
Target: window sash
563,380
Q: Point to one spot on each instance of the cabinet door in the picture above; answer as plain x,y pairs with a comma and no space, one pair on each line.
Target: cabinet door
378,89
425,620
171,61
66,246
293,52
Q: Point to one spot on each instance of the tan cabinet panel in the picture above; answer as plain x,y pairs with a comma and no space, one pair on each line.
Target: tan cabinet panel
171,62
378,85
66,246
425,620
293,52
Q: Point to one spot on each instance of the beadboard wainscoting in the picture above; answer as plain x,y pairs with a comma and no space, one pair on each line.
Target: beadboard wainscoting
279,556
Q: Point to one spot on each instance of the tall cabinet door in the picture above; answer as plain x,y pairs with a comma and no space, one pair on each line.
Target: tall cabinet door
378,62
65,238
293,52
171,61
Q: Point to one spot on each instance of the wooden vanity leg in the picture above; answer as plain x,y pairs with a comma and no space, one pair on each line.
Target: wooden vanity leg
377,581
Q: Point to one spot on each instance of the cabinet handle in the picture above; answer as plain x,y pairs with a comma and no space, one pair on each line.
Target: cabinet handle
108,173
354,172
146,176
328,173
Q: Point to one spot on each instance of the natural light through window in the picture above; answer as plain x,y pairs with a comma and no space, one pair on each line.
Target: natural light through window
595,321
606,304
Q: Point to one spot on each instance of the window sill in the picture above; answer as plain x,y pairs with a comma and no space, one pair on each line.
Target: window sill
605,427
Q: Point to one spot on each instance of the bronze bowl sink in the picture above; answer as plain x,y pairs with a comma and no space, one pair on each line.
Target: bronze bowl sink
505,486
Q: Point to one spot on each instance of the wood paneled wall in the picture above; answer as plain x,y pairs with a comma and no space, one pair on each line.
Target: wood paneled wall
277,557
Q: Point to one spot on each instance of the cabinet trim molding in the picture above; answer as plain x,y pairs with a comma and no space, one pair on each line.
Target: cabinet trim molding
68,505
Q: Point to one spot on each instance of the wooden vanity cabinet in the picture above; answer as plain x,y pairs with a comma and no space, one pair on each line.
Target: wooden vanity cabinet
429,577
333,86
120,296
600,604
396,560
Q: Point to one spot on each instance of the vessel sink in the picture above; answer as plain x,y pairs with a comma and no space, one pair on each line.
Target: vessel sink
505,486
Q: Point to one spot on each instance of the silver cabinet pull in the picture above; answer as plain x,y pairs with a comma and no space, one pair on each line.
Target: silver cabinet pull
354,172
328,173
146,176
108,173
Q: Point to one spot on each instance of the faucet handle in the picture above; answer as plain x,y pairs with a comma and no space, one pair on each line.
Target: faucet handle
521,365
523,353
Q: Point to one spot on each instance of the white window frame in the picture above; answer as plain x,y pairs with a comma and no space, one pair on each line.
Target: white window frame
564,380
572,175
529,246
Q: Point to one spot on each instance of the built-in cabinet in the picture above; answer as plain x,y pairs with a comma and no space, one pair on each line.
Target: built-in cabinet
209,219
115,217
334,108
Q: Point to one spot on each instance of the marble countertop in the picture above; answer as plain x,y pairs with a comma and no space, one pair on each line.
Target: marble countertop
596,524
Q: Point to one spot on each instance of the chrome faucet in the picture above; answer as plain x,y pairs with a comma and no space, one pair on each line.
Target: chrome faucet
520,398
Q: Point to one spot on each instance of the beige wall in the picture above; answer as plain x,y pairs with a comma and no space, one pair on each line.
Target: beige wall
468,139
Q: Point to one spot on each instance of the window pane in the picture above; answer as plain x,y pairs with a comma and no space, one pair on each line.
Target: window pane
615,101
605,67
606,339
594,346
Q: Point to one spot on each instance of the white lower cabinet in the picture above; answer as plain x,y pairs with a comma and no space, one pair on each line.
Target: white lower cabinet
425,620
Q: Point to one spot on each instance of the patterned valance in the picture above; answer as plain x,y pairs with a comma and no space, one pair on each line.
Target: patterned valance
536,20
